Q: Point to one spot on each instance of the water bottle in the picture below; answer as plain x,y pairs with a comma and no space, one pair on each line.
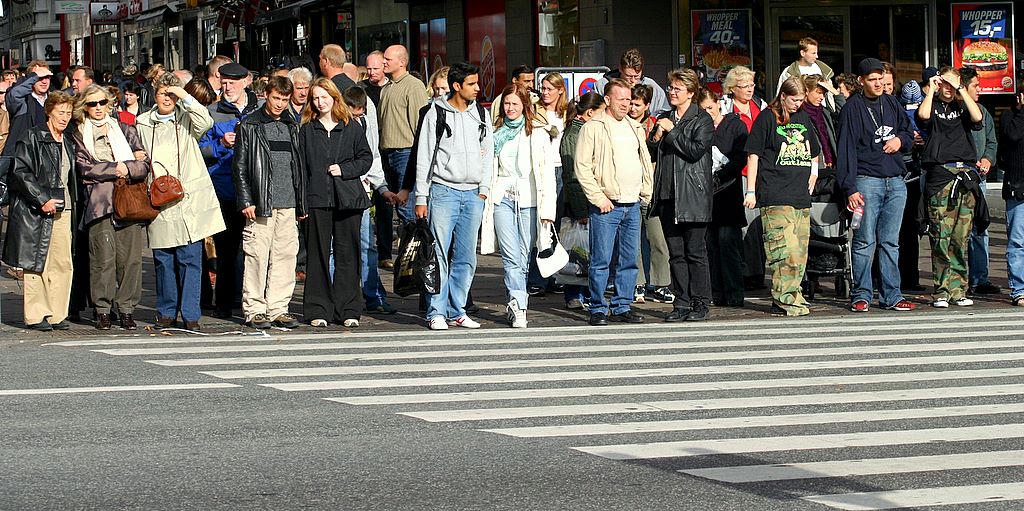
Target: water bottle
858,215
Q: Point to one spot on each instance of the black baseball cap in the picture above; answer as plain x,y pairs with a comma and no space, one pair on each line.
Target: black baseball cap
233,70
866,66
928,73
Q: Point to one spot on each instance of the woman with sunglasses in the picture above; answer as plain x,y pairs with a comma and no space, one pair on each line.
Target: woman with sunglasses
40,229
170,133
105,151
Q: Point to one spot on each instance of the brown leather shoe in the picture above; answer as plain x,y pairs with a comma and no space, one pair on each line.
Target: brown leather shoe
193,326
102,321
164,322
127,322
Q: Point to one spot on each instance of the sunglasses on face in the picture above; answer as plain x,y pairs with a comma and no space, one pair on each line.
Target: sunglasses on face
94,104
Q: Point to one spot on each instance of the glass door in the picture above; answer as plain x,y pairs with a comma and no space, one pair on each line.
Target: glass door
829,26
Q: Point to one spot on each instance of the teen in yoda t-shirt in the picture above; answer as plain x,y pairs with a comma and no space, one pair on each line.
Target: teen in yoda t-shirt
784,159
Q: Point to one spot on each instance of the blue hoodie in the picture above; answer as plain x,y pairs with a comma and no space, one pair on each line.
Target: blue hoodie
226,117
860,150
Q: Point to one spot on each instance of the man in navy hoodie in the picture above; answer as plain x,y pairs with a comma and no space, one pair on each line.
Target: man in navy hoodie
873,132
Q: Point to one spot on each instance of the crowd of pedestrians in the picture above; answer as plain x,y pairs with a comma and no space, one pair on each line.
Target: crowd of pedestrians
298,174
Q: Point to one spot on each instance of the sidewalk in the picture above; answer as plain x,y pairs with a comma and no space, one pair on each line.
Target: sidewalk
488,291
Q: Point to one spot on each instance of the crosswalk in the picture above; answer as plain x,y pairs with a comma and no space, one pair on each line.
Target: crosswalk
890,408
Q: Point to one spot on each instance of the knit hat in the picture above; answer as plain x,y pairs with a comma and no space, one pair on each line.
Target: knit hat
911,93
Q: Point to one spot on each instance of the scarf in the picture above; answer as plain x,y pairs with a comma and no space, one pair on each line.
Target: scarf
508,130
118,143
817,115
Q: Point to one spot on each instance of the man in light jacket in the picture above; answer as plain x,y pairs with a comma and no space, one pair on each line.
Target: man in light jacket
614,168
453,176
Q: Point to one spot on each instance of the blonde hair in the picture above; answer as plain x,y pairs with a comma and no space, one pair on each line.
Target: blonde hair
335,55
735,75
562,104
440,74
80,99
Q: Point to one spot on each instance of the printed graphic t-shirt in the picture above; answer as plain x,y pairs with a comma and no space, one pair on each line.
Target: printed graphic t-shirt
784,159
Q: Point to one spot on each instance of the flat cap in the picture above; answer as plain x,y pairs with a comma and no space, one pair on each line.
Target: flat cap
233,70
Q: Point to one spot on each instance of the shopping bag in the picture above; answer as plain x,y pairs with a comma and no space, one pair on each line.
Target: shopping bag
551,255
575,238
416,268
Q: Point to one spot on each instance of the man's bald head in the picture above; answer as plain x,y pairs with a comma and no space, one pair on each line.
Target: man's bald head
396,60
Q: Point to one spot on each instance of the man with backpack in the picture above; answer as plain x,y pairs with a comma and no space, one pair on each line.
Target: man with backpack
454,156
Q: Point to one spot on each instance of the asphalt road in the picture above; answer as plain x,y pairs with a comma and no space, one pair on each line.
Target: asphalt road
874,412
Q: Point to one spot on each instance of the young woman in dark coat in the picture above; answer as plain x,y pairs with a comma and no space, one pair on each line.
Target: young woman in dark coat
336,155
682,193
725,233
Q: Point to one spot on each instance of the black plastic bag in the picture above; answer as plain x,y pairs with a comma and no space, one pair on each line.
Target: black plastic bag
416,268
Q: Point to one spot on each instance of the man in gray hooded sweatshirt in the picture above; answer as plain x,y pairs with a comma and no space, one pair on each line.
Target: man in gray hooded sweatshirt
454,156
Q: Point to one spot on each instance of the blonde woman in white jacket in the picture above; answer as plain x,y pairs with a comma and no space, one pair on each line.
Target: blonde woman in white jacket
523,195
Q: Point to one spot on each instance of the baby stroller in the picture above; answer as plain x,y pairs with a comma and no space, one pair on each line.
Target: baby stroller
828,252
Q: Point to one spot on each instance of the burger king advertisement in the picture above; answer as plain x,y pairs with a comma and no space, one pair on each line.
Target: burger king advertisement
983,40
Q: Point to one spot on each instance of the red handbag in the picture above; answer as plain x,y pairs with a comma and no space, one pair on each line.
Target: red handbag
166,189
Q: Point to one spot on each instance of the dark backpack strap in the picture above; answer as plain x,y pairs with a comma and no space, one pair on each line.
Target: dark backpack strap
483,121
441,126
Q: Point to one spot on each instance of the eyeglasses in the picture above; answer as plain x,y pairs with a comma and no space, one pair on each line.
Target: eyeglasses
94,104
743,86
675,90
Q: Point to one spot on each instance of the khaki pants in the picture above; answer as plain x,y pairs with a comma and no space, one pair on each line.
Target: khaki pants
115,265
270,245
47,294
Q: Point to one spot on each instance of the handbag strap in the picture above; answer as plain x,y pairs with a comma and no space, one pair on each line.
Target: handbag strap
177,153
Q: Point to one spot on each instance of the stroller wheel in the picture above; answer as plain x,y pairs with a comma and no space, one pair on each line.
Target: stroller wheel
842,287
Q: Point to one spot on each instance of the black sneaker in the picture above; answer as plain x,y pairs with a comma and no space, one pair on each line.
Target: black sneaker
776,310
627,317
700,312
42,326
260,322
986,288
676,315
383,308
285,321
598,319
661,295
63,325
535,291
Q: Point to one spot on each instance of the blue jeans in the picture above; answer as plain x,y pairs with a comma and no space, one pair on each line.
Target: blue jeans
617,229
977,252
884,200
395,161
454,217
373,289
516,230
1015,246
179,273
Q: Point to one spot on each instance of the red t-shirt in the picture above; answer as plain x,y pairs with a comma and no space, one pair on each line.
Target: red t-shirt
747,121
129,118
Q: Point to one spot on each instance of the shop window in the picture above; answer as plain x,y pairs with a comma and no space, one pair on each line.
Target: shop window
558,33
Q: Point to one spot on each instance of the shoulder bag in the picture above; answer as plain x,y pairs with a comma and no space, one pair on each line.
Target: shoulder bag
166,188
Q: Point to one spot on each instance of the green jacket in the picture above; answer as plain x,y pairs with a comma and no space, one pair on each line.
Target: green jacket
575,205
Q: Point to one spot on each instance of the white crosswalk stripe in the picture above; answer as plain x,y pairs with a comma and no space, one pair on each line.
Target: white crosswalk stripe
799,400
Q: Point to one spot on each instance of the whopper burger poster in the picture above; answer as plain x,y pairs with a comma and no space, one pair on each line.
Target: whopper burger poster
983,40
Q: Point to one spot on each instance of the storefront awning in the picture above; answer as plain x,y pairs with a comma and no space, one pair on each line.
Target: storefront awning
154,16
290,12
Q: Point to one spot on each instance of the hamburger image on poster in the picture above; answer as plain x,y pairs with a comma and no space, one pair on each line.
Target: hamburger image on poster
988,58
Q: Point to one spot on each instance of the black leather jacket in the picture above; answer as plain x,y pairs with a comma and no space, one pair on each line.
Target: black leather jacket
36,170
252,170
684,156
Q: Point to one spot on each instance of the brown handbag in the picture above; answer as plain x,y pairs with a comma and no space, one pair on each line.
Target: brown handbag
167,188
131,202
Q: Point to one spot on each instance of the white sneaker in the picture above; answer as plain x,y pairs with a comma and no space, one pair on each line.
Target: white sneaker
464,322
964,302
319,323
517,317
438,323
351,323
941,304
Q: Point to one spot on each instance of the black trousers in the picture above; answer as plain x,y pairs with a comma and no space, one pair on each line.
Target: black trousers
228,243
687,261
343,298
910,241
382,218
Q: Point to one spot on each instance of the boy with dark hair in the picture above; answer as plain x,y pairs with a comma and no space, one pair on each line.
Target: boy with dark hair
270,192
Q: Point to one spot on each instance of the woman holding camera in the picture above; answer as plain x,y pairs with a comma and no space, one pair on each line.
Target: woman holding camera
40,227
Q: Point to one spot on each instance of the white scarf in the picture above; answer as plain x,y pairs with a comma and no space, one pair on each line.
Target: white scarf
118,143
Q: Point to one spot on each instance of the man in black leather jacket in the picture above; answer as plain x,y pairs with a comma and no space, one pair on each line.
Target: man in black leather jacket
270,192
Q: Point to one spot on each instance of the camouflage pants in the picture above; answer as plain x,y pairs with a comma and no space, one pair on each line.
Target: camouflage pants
787,231
950,222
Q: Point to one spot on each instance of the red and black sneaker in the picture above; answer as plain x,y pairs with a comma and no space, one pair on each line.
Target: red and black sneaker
859,306
902,306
